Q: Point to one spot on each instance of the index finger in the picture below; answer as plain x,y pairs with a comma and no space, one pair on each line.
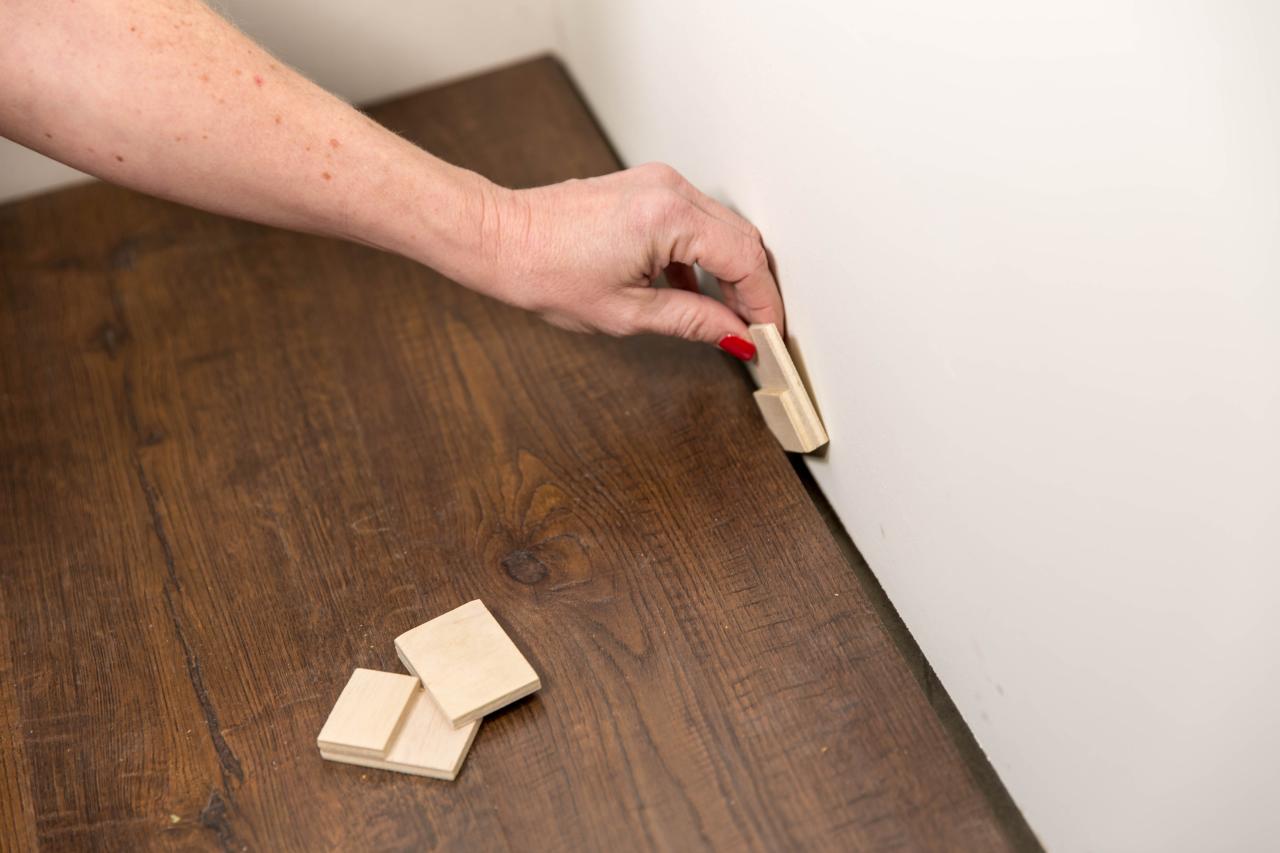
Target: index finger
741,264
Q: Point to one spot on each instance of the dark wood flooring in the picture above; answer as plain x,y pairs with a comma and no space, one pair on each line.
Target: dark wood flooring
235,462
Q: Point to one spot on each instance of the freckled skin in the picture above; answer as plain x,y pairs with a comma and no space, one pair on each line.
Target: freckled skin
194,77
101,70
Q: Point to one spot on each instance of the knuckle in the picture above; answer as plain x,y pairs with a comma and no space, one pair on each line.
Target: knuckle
689,324
756,256
663,175
627,319
615,314
655,210
684,320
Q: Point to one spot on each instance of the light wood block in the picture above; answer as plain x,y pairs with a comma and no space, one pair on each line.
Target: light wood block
779,411
785,404
367,714
467,663
425,745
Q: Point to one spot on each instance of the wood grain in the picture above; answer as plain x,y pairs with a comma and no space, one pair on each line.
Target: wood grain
427,744
368,712
467,663
235,463
783,400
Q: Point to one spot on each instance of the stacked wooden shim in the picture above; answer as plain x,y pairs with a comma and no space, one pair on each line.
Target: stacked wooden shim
786,406
463,666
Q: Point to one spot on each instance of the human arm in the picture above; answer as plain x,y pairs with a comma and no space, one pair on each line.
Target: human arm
166,97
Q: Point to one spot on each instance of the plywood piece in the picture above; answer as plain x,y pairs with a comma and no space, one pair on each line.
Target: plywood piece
367,714
783,401
467,663
779,411
426,744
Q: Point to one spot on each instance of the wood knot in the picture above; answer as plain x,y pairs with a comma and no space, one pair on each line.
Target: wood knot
123,254
524,567
111,337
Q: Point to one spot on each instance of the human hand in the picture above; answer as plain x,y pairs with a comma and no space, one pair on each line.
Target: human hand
584,255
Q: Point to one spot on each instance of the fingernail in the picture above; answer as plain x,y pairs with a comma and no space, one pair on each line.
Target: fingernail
737,347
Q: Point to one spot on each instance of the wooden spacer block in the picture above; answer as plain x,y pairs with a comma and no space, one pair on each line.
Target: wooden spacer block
467,663
782,398
368,713
425,744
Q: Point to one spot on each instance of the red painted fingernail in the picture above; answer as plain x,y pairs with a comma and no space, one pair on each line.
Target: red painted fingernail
737,347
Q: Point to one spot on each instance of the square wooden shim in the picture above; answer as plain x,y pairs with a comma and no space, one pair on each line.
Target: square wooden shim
779,413
467,663
785,404
425,745
367,713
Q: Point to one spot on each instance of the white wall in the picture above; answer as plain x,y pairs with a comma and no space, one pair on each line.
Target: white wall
1031,258
363,51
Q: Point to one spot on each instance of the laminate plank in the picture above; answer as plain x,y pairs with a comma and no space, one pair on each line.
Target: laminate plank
17,806
239,462
110,719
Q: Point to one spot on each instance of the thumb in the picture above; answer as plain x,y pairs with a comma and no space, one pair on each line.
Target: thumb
682,314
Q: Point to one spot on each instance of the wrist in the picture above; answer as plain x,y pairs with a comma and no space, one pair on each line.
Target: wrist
464,225
435,213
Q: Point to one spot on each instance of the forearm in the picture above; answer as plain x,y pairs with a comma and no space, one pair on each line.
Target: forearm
165,97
